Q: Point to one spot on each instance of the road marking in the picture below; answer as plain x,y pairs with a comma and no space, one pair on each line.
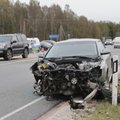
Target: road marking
21,108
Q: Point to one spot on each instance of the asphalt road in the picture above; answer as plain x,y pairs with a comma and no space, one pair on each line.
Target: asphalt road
17,101
115,51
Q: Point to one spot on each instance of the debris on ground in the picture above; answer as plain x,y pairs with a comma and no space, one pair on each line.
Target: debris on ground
65,113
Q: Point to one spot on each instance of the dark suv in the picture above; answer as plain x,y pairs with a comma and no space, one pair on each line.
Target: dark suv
12,45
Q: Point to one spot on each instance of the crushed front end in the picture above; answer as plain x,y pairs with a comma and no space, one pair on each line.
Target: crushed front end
66,77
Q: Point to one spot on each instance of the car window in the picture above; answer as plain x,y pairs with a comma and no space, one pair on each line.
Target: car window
14,38
86,48
19,38
109,40
116,40
23,37
5,38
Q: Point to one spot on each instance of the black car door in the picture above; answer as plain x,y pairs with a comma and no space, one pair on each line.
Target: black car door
20,44
15,45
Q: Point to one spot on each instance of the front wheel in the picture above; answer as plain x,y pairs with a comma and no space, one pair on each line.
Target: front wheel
8,55
25,53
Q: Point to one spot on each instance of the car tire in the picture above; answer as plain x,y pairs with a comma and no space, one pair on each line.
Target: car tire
8,55
25,53
118,98
99,95
107,77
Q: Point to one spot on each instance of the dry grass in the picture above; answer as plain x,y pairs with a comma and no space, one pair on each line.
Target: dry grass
104,111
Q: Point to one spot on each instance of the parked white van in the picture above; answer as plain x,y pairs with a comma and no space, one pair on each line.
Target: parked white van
34,43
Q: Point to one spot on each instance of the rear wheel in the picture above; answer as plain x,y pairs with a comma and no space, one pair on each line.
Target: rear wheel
8,55
25,53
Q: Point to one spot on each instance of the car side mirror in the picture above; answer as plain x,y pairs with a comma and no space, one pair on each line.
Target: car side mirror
14,41
105,52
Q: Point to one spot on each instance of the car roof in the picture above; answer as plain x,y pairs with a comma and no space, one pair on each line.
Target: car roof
79,40
108,39
45,44
50,41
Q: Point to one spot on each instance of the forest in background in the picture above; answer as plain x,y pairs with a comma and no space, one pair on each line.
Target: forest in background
39,21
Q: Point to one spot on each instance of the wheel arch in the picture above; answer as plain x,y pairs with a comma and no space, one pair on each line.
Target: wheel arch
9,49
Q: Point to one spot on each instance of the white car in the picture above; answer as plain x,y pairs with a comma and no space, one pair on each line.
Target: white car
116,42
70,66
108,42
34,43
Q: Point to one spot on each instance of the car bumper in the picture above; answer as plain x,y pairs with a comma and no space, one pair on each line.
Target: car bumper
116,46
2,53
108,44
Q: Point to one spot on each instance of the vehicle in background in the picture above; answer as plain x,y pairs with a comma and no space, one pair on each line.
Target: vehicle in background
12,45
34,44
45,45
116,42
50,41
30,44
108,42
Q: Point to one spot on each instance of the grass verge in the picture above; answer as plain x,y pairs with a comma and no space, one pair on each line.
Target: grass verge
104,111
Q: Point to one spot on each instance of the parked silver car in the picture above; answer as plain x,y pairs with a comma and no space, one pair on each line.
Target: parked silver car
116,42
108,42
74,66
45,45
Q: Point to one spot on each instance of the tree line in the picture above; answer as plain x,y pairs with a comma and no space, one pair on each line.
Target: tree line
35,20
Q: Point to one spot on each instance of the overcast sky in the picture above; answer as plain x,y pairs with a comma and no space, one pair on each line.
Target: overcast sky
97,10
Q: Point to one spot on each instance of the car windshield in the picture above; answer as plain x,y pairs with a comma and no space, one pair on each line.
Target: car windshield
67,49
116,40
5,38
109,40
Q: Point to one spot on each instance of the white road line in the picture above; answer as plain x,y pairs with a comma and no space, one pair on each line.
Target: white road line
21,108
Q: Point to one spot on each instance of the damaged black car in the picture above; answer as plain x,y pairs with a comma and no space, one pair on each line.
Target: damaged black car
73,67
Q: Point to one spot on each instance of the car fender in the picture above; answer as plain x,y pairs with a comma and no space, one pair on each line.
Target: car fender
104,68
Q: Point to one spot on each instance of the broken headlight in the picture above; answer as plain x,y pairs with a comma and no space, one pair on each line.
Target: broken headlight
96,72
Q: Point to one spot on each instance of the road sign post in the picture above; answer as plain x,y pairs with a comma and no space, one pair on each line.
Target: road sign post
115,80
54,36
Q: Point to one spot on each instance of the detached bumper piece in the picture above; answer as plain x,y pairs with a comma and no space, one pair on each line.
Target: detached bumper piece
77,103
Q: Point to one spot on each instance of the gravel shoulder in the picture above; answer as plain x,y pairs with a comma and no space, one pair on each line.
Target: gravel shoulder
64,112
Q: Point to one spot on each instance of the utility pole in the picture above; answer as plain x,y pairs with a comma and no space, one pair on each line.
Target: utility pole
52,20
67,9
2,21
62,33
45,11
